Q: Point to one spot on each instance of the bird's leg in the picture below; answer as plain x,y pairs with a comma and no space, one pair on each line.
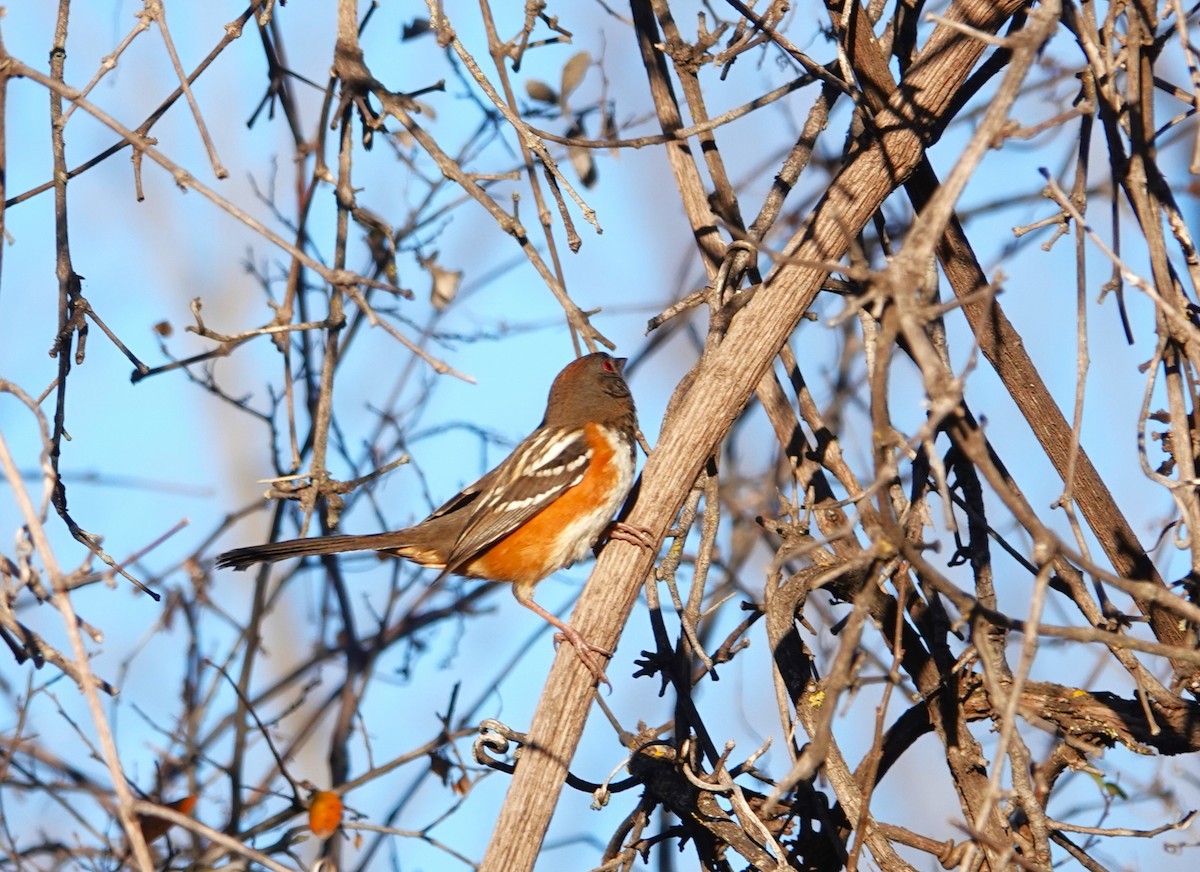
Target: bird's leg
585,649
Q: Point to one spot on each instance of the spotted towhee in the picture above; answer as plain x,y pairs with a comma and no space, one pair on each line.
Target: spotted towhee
541,509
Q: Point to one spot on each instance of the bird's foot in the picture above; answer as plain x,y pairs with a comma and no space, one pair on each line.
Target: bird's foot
588,653
630,533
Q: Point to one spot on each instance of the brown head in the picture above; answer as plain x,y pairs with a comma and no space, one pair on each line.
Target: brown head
591,388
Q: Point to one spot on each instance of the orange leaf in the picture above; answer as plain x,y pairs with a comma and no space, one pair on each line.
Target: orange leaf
152,827
324,813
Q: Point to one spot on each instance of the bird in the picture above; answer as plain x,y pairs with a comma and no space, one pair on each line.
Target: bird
539,510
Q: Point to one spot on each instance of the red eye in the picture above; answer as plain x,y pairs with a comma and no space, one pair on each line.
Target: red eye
608,365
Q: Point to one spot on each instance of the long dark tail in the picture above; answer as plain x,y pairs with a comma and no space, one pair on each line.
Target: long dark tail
241,558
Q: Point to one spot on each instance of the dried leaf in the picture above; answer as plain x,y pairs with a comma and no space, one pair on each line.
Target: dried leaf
445,282
324,813
581,158
573,73
608,130
418,27
439,765
421,108
585,165
540,91
154,827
